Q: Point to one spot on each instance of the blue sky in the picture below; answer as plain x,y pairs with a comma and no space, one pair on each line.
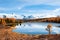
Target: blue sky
30,6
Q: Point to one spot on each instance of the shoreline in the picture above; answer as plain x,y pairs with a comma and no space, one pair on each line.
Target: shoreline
7,34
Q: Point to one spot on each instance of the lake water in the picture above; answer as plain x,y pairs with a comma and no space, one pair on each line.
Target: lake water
36,28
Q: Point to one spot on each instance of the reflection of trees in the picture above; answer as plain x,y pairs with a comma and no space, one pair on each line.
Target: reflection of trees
29,24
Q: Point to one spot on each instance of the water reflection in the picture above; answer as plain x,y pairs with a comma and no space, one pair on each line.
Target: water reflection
36,28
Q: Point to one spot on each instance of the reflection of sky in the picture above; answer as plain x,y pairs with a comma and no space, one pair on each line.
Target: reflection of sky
37,28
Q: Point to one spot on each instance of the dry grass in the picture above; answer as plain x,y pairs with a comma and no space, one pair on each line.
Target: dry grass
7,34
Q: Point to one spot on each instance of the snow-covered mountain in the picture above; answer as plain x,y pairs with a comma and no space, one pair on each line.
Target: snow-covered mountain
46,14
33,16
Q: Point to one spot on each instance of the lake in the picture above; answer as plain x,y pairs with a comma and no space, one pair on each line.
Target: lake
36,28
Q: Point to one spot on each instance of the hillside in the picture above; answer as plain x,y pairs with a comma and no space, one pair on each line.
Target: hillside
51,19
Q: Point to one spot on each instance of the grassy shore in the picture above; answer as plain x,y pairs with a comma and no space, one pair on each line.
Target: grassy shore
7,34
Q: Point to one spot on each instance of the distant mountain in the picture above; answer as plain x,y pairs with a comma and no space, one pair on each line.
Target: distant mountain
30,17
35,16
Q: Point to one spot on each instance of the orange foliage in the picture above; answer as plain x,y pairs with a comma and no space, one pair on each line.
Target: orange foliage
5,20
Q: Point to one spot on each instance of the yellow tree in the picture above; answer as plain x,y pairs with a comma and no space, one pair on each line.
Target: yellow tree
49,28
10,20
3,22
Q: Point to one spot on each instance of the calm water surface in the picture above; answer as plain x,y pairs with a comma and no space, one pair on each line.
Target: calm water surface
37,28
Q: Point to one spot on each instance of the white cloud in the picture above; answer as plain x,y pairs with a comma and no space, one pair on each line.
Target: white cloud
45,13
57,10
49,2
36,14
32,2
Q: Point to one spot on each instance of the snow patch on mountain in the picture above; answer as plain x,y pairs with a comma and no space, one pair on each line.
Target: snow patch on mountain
34,16
53,13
